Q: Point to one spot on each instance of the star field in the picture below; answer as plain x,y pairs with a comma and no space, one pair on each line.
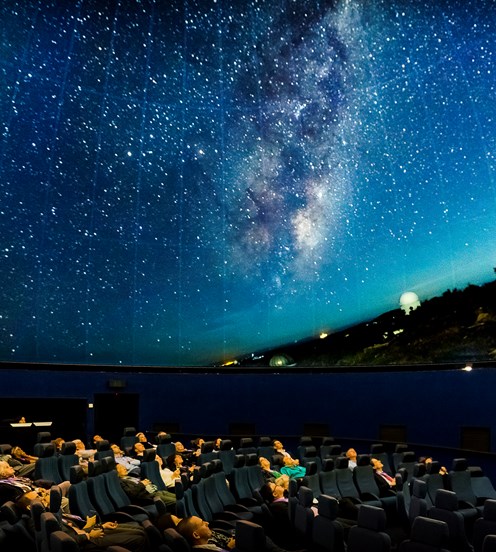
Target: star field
184,181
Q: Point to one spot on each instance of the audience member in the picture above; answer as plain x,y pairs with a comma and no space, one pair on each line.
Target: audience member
142,438
428,460
85,455
268,473
292,468
142,491
384,481
132,465
351,454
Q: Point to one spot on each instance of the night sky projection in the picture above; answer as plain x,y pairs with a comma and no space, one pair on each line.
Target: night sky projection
184,181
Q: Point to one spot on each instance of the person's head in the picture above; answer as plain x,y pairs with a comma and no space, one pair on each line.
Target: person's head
79,444
116,449
217,442
97,438
58,441
277,490
376,464
288,461
278,445
194,530
174,461
17,452
141,437
351,453
264,463
198,442
121,470
138,448
6,470
283,482
180,447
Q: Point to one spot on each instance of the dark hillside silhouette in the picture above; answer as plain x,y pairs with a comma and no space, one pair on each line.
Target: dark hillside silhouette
458,326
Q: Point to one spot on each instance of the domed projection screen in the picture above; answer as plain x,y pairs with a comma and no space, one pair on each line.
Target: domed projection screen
197,182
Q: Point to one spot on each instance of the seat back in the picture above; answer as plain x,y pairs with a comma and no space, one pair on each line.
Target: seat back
304,515
67,459
249,537
47,466
227,455
328,483
327,532
446,509
61,542
418,503
311,479
485,525
482,486
79,499
344,479
150,469
427,535
459,481
369,534
363,476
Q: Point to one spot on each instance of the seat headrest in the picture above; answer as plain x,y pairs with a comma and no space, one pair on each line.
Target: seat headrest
43,437
68,447
251,459
264,442
128,431
311,468
408,457
102,445
327,464
400,447
429,531
377,448
363,460
459,464
305,496
433,467
306,441
446,500
239,460
310,452
328,506
335,450
245,442
216,465
55,498
76,474
94,468
164,439
249,536
489,543
326,441
419,488
149,455
341,462
207,446
419,469
489,510
371,517
205,470
5,448
226,444
108,463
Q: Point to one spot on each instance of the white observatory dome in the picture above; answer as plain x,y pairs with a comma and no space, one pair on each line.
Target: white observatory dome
409,301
